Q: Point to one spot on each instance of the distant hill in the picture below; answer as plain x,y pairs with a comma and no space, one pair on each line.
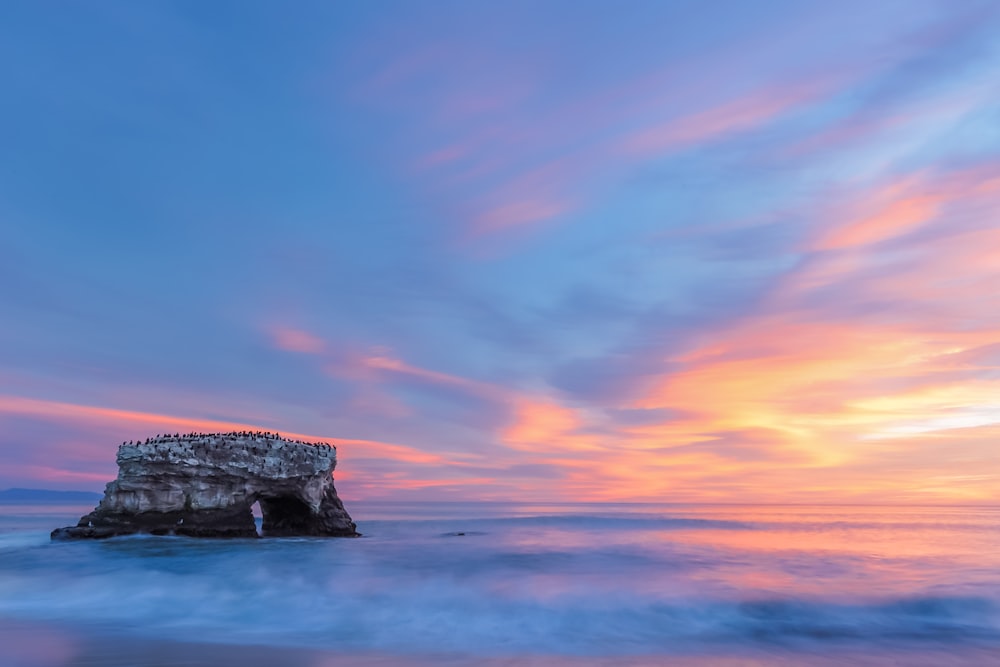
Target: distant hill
47,497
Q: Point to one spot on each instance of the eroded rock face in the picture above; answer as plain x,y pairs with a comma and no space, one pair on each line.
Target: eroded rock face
203,485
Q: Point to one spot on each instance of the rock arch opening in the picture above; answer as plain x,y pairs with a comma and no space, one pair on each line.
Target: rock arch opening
257,515
284,516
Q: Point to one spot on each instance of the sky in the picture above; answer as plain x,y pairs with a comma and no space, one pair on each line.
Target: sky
671,251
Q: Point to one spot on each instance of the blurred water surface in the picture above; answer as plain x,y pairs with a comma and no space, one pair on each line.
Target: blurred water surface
546,584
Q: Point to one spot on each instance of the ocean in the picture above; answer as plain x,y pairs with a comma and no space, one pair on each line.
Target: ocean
517,584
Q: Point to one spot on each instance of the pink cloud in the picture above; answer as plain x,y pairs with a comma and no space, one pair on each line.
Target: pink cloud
476,128
381,361
524,188
59,476
403,69
894,209
893,217
445,155
741,114
375,364
296,340
519,213
152,422
368,468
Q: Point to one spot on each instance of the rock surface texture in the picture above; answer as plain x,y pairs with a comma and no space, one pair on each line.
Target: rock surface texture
203,485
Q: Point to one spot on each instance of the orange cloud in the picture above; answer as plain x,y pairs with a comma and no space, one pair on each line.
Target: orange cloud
813,385
844,401
542,424
776,403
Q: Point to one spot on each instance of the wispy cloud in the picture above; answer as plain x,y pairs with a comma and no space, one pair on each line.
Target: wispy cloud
297,340
755,110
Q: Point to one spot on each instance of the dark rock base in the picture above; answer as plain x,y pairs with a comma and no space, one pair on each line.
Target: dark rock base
283,517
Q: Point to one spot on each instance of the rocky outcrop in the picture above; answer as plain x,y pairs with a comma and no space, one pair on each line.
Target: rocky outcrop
203,485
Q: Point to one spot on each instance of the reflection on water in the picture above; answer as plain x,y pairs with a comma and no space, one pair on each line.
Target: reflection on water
482,583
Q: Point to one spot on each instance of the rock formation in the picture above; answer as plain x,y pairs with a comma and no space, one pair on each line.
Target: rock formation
203,485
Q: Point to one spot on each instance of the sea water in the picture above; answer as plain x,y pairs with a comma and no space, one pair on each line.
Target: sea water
480,583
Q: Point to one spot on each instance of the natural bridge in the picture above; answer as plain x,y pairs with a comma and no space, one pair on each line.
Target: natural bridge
204,485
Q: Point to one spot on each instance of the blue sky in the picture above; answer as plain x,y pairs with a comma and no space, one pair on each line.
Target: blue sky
667,250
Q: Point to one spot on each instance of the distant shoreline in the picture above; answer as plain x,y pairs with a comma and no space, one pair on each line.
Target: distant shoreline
17,496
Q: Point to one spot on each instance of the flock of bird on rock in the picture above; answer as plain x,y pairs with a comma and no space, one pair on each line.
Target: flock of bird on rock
253,435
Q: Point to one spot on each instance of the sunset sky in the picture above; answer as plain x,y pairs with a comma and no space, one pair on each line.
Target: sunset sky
665,251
